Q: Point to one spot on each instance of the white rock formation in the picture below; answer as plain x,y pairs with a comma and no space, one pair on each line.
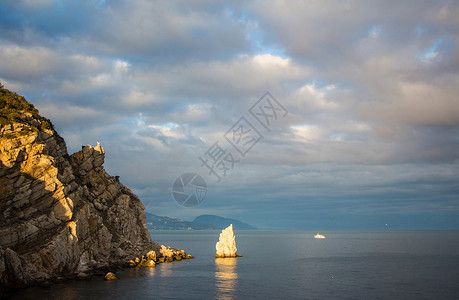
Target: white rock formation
226,246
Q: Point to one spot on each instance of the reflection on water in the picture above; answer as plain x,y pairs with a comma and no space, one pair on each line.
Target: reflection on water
225,277
150,271
165,270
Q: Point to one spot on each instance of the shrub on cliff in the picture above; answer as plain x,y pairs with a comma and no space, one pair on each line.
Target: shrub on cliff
13,108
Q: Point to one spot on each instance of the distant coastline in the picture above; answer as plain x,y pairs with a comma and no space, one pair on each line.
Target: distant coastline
202,222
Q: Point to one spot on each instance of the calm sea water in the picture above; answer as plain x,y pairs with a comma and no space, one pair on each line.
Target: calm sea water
294,265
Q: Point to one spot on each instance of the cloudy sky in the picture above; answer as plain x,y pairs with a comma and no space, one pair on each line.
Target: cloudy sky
370,133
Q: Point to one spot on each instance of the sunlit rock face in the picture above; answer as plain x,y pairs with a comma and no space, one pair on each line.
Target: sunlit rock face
60,215
226,246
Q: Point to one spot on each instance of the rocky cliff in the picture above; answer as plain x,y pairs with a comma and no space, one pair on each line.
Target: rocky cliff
60,215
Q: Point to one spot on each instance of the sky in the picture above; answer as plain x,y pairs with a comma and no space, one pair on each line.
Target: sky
363,104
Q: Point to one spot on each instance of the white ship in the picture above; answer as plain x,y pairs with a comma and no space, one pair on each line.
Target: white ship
319,236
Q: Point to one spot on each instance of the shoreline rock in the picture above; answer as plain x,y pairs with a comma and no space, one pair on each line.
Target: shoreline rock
226,246
110,276
151,259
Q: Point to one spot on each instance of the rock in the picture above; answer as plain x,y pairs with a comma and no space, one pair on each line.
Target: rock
62,210
142,263
226,246
2,264
13,267
151,264
84,263
62,216
120,252
166,251
110,276
151,255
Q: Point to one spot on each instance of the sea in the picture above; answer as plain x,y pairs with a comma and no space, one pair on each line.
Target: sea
286,265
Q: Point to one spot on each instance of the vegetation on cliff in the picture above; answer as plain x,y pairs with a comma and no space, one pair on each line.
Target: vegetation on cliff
15,108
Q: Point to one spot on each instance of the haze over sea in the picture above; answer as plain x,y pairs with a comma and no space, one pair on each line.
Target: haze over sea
288,264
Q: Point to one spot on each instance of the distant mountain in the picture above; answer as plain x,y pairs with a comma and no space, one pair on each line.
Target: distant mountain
155,222
221,223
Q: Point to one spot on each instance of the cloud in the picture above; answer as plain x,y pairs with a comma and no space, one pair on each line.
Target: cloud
370,91
163,31
377,52
418,104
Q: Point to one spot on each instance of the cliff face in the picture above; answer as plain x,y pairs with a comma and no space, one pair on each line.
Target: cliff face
61,215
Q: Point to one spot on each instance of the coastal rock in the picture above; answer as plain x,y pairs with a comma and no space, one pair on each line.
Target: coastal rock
110,276
152,258
61,216
226,246
85,263
151,264
14,269
167,251
151,255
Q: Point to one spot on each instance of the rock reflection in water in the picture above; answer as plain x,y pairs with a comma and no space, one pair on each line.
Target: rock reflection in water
225,277
165,269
